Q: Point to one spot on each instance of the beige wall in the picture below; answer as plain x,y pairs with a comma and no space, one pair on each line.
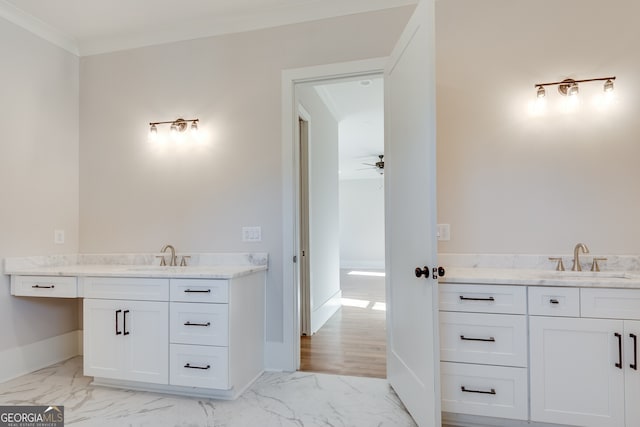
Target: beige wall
38,174
510,181
136,197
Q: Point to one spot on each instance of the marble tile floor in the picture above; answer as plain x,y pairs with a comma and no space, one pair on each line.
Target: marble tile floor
300,399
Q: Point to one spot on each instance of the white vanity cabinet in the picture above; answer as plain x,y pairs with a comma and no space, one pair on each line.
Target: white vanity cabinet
584,368
126,324
483,350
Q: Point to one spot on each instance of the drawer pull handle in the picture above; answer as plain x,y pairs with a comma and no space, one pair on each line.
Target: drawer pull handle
634,365
197,324
118,331
466,390
619,364
554,301
197,367
490,339
43,286
196,291
463,298
124,317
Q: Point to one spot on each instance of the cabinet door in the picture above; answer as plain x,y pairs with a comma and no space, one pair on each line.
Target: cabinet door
632,372
102,337
146,336
127,340
574,380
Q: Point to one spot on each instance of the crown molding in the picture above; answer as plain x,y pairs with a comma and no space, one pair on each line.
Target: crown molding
16,16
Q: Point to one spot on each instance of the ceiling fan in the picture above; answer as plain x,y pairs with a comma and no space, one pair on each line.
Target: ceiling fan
379,165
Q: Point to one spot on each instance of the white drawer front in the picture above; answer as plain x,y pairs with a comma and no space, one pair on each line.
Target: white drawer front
553,301
492,391
139,289
483,298
199,366
492,339
610,303
200,290
44,286
206,324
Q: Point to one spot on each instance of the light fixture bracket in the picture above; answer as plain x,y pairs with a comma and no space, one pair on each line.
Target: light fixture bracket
563,87
180,124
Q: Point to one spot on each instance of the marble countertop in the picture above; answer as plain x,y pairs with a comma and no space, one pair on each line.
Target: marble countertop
194,272
202,265
530,277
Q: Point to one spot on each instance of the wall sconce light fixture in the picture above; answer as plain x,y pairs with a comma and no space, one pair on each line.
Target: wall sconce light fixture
569,87
177,126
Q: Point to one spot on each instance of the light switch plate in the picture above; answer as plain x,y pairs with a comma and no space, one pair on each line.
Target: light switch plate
58,237
444,232
252,234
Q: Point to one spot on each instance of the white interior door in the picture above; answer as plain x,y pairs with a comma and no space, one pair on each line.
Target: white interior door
412,303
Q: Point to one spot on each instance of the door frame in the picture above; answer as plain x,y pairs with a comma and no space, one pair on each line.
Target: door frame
286,354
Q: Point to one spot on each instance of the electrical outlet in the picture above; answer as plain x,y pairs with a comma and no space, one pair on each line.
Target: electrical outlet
252,234
444,232
58,237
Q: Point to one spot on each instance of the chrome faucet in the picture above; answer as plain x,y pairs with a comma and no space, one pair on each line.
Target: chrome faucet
576,256
174,259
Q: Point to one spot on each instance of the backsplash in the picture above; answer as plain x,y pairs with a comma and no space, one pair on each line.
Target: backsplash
197,259
537,262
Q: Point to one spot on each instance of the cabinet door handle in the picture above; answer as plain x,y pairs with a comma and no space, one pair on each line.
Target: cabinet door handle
124,316
554,301
197,324
197,367
118,332
463,298
619,364
43,286
490,339
466,390
196,291
634,365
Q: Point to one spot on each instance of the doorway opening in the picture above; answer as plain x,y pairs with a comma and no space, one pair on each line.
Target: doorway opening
342,309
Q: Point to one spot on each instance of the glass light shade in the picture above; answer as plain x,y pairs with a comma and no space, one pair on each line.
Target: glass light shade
608,86
153,132
194,127
541,92
573,90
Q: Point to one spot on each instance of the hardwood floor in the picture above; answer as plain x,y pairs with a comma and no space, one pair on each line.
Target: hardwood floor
353,341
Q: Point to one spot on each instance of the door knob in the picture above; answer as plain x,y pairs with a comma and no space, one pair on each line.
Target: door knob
422,271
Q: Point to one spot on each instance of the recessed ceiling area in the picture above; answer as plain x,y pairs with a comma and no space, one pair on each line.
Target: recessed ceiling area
358,106
88,27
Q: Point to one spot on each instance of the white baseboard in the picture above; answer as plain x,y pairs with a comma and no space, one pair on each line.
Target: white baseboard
320,315
22,360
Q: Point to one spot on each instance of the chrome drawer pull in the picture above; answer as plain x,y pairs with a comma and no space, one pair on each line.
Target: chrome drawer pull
466,390
197,324
463,298
490,339
43,287
195,291
197,367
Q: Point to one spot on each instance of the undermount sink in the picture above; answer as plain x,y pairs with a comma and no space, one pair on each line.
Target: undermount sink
585,275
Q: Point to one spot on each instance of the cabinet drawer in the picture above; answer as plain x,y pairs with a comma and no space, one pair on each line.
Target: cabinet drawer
199,366
492,339
492,391
483,299
553,301
193,323
140,289
610,303
200,290
44,286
